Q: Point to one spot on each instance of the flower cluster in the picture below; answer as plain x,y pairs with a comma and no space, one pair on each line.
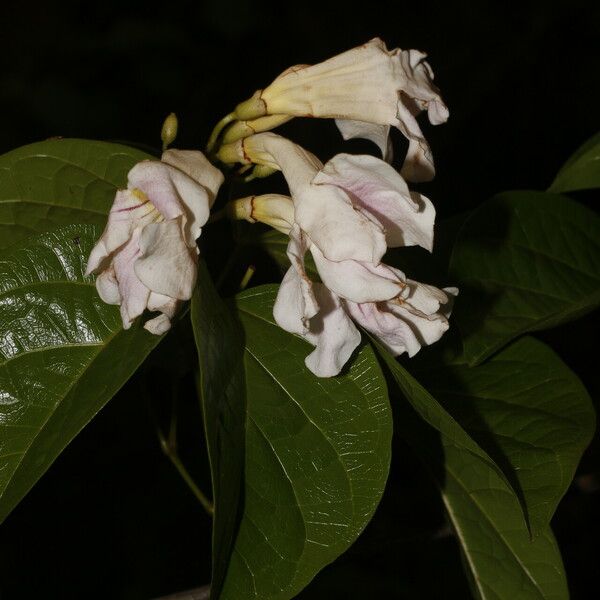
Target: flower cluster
346,213
147,256
366,90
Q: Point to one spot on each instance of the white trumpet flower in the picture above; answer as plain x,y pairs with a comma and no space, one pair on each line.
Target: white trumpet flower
367,90
147,256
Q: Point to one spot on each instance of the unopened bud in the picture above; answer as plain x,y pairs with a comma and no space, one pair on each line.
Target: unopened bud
240,209
233,153
242,129
272,209
251,109
169,130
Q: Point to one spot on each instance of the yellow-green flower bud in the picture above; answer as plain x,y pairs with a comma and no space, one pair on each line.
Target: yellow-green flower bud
274,210
251,109
169,130
242,129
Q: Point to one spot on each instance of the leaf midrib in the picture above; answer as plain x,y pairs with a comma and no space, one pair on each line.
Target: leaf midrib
53,204
500,536
308,418
338,457
68,391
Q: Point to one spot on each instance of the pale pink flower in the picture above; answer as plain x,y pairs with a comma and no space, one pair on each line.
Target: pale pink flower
147,256
367,90
346,213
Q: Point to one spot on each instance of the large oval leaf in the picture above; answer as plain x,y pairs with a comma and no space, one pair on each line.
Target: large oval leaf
63,353
59,182
524,261
428,408
502,560
528,410
581,171
220,343
317,458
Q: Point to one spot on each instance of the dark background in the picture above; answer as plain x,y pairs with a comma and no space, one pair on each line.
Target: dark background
111,519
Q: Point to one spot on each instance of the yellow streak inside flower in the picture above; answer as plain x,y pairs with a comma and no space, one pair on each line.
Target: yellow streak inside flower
150,209
141,195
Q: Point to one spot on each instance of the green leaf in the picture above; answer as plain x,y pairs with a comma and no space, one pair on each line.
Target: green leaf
502,560
58,182
581,171
220,343
317,458
528,410
437,416
63,354
524,261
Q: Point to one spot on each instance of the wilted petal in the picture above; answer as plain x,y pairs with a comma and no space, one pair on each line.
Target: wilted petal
164,304
425,298
134,293
197,182
418,93
194,164
418,165
158,325
154,179
417,319
167,265
108,286
145,261
389,328
291,311
332,333
377,187
129,210
451,293
167,306
97,256
420,87
378,134
426,329
194,199
358,281
183,182
296,303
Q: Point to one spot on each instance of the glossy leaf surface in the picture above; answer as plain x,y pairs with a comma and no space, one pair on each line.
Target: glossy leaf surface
317,458
523,261
59,182
63,353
